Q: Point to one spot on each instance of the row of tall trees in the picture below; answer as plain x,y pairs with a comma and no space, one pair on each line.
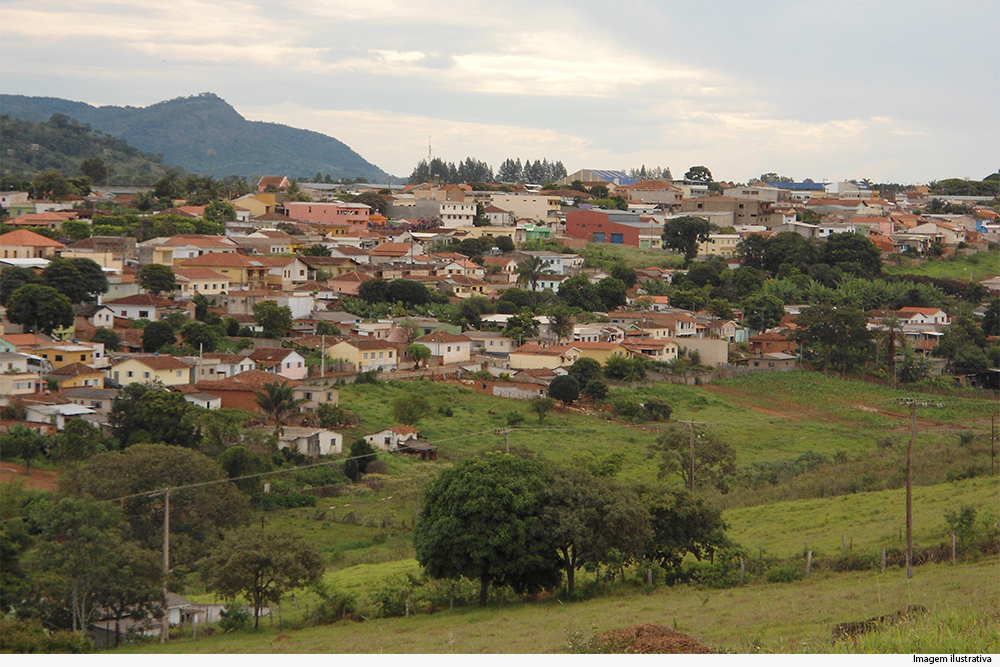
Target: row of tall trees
472,170
508,521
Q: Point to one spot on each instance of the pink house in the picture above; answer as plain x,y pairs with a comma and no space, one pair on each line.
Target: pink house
328,212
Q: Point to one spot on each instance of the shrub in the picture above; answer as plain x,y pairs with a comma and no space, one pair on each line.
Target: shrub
285,501
378,467
391,598
335,605
784,574
29,636
368,377
234,617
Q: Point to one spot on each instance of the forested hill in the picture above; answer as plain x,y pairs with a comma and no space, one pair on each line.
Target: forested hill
64,144
186,128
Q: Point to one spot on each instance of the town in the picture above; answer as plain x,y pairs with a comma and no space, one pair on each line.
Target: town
251,326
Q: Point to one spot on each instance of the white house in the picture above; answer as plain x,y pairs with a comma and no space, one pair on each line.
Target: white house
311,442
451,348
388,440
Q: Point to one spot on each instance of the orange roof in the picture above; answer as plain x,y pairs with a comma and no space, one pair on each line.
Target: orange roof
245,381
198,274
162,362
23,237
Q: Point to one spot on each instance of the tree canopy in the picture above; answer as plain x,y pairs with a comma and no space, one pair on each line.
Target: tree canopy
684,235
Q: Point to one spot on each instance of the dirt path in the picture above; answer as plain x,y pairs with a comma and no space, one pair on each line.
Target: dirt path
43,480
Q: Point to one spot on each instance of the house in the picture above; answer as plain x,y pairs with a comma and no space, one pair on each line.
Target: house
314,396
17,378
146,307
60,355
149,369
391,439
282,361
239,391
238,269
194,280
311,441
365,355
329,212
24,244
98,400
216,366
771,342
657,350
449,348
924,316
462,287
490,343
76,375
95,315
273,183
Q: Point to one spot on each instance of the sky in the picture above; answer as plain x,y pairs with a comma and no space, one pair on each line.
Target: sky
904,92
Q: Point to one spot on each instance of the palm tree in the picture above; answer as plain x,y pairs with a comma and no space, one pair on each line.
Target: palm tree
277,401
530,272
891,332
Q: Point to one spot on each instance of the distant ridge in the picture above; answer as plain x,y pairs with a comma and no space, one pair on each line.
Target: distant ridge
184,129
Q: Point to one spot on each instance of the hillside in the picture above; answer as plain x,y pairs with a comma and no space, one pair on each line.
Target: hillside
185,128
64,145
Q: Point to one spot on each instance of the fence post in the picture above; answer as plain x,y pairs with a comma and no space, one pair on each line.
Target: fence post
809,563
883,561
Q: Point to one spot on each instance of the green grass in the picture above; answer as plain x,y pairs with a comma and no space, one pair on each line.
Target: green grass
980,266
606,255
869,521
786,618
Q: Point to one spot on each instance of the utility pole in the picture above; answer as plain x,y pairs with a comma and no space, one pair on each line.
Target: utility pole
691,426
165,621
913,404
505,432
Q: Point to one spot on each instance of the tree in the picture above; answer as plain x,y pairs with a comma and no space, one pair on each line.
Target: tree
277,401
108,337
156,335
585,369
419,353
596,389
220,212
133,583
530,271
699,173
374,290
409,409
94,169
261,566
78,440
839,336
541,406
625,369
14,277
50,184
76,229
482,519
991,318
200,336
409,292
197,514
853,253
40,308
612,293
579,292
238,461
95,281
357,463
23,443
157,278
681,524
275,320
714,459
587,517
561,322
762,311
316,250
684,235
143,414
564,388
375,201
521,326
63,275
505,244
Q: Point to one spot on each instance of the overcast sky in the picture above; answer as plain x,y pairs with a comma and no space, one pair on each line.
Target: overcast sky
892,91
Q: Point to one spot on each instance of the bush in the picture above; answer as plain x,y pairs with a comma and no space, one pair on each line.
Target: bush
28,636
784,574
391,598
335,605
368,377
234,617
285,501
378,467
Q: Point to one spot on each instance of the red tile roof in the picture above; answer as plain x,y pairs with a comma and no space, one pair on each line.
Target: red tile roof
23,237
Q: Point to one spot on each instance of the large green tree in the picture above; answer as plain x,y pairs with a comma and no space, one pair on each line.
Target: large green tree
14,277
682,524
157,278
839,337
684,235
198,514
261,566
144,414
482,519
853,253
714,459
587,517
274,319
156,335
40,308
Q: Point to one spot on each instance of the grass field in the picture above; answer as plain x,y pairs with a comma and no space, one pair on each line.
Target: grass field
786,618
980,266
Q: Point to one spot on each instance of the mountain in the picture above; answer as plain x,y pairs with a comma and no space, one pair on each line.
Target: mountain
65,145
184,129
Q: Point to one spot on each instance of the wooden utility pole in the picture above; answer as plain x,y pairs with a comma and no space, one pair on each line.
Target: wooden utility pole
909,490
691,426
165,627
505,432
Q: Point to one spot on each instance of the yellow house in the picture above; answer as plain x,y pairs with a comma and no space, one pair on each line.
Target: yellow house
599,352
77,375
64,355
365,355
193,280
719,245
258,204
532,356
163,369
238,269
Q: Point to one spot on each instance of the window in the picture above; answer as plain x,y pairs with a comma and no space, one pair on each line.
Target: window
598,237
146,374
618,238
365,355
59,357
178,373
143,314
83,357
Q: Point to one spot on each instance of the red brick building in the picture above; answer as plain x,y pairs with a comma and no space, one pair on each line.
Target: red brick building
597,227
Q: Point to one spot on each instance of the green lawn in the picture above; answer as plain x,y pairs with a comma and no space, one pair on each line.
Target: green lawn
980,266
